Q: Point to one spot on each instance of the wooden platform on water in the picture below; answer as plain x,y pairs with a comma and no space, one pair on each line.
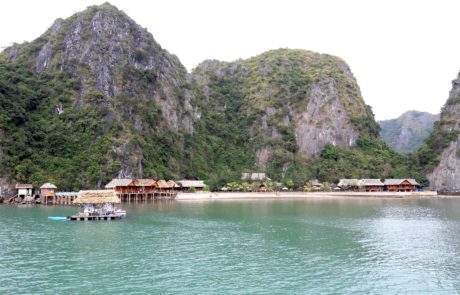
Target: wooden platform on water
93,218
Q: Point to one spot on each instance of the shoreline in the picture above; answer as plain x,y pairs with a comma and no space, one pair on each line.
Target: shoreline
200,196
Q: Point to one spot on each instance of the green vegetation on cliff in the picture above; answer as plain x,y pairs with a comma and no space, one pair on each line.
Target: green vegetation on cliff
41,145
120,105
252,110
78,116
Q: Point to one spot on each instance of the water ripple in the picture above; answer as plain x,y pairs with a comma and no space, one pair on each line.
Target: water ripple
260,247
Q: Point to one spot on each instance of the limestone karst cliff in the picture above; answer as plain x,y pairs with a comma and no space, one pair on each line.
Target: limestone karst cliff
292,102
109,86
407,133
96,97
443,147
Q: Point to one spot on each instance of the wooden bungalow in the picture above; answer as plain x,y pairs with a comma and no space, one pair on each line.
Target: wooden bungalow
166,189
189,185
348,184
146,185
371,185
24,190
355,185
173,185
142,190
401,185
165,186
47,193
121,185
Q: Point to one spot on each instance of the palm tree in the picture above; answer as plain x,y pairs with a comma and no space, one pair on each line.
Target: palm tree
255,186
278,186
327,187
308,187
246,186
232,186
269,185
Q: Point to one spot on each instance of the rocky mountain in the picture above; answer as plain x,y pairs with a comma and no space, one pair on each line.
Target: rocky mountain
407,133
96,97
441,154
293,113
107,94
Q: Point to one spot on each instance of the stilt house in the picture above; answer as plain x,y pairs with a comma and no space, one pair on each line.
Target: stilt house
401,185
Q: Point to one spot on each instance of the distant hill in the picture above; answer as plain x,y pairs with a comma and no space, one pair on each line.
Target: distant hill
407,133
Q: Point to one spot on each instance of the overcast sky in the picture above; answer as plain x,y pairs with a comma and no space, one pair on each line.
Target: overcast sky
404,54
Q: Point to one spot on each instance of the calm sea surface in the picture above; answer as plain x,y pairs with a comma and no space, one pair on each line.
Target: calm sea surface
237,247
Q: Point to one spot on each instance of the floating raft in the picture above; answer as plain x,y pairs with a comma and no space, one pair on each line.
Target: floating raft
93,218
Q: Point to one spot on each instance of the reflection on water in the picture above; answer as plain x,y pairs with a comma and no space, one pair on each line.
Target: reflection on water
231,247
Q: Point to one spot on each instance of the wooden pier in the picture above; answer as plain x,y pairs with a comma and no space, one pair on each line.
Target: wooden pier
67,198
93,218
142,197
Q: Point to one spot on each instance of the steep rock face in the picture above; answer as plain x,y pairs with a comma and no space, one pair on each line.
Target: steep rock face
108,52
297,102
96,97
446,175
406,133
110,92
314,129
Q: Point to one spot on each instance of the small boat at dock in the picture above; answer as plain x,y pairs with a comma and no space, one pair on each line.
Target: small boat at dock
97,205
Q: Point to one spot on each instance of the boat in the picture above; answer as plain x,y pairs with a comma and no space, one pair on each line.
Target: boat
97,205
121,212
57,218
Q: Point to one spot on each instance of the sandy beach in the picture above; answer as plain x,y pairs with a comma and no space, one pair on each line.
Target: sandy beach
300,195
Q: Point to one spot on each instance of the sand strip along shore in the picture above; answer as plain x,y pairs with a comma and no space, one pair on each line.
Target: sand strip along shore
297,195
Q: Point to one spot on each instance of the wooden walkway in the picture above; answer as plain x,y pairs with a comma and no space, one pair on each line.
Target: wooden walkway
93,218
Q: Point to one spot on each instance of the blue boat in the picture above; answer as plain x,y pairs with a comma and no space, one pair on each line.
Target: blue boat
56,218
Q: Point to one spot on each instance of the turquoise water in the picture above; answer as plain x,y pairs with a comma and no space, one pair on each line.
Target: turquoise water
351,246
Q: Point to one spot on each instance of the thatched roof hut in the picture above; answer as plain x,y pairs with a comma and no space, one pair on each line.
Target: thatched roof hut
192,184
370,182
48,186
411,181
163,184
96,197
24,186
144,182
353,182
119,182
254,176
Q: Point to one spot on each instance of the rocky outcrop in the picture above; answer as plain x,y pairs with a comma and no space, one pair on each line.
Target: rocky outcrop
99,62
446,175
297,101
108,52
407,133
325,121
117,68
96,97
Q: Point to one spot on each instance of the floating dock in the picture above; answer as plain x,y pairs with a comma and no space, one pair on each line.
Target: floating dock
94,218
